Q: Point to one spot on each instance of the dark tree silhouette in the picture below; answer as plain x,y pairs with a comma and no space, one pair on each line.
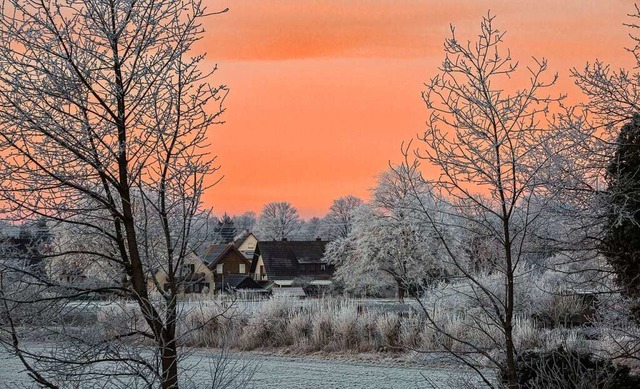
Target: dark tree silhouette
621,242
226,229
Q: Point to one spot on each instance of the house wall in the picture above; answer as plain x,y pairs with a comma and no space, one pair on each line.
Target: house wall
249,245
256,275
231,265
199,267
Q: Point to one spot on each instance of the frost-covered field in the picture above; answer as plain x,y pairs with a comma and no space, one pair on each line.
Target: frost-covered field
293,372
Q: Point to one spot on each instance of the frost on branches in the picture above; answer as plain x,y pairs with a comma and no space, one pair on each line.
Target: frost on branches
391,245
104,118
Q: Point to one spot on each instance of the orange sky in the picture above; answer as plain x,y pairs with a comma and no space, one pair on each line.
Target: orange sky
324,92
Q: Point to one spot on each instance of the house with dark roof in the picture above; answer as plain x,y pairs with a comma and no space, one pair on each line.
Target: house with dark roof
246,243
226,260
283,262
240,284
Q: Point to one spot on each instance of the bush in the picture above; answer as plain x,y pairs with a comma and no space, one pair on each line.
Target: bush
388,326
267,327
211,324
561,368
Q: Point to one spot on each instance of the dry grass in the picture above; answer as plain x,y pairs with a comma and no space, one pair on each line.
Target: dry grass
352,326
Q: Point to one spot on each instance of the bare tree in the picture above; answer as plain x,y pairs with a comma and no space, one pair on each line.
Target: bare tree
246,221
311,229
103,127
493,152
278,220
603,163
604,172
614,94
339,220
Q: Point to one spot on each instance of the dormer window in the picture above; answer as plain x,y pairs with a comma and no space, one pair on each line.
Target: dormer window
187,269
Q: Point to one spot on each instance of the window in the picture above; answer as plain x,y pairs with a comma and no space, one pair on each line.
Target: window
183,271
193,288
219,268
241,269
323,267
261,269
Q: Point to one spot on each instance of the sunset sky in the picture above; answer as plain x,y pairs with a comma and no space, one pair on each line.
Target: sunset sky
324,92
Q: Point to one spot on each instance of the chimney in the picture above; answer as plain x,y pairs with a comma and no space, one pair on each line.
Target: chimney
284,239
318,239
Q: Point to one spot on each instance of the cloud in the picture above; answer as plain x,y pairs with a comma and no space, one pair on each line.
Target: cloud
301,29
280,29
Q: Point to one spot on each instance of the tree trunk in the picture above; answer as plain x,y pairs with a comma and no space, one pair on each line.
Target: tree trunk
401,292
169,365
512,375
511,372
168,344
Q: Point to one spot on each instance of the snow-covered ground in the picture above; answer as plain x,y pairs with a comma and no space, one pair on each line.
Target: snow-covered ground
293,372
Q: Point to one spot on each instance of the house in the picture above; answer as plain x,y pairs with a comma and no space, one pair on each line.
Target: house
283,262
225,260
25,246
241,284
193,277
237,281
246,243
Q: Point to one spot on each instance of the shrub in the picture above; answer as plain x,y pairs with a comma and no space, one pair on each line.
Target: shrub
345,325
322,330
211,324
267,327
388,327
561,368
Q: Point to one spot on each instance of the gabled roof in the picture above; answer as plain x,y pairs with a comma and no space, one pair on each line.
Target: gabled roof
239,240
240,281
282,258
216,253
189,258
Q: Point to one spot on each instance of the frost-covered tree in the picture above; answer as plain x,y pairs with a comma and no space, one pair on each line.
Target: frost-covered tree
278,220
390,243
311,229
603,161
491,149
613,99
245,222
613,93
75,266
104,112
339,219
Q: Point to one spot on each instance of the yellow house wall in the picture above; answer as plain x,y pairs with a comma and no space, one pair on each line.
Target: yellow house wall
199,267
249,244
257,272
